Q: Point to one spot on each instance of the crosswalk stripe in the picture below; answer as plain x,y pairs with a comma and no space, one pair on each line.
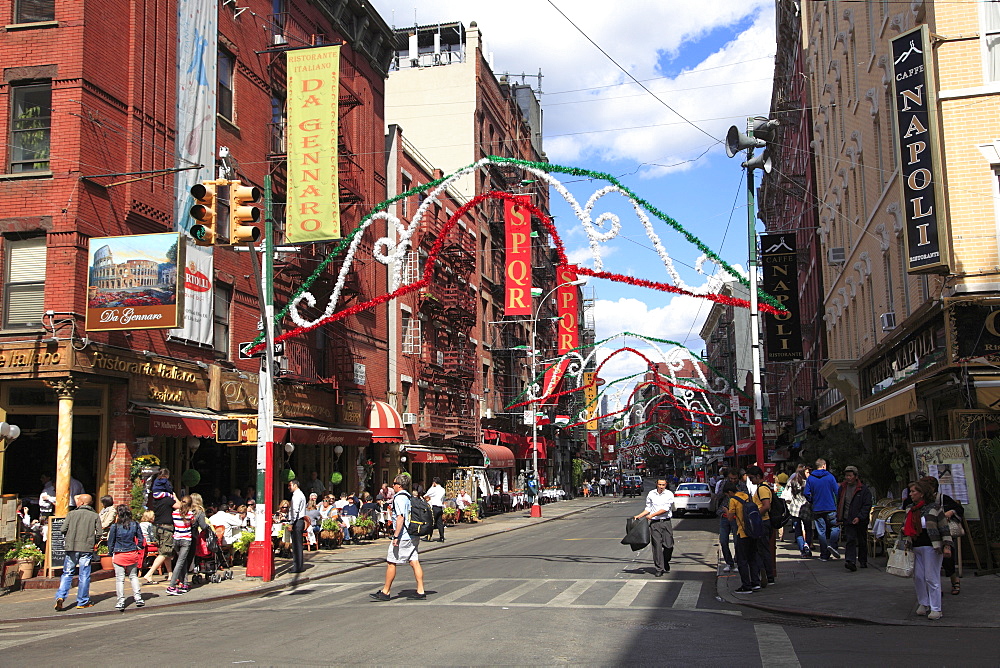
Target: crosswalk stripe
462,591
572,592
775,647
515,593
687,598
626,595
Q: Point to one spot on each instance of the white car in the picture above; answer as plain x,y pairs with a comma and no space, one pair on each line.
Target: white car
692,497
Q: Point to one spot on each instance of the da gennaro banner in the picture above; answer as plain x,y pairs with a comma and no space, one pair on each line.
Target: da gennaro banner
782,332
313,211
927,243
517,286
133,282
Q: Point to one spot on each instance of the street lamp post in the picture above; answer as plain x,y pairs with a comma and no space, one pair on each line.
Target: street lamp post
536,506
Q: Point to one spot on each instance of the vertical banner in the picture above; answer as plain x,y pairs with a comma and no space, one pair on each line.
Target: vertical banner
313,212
567,304
915,93
590,398
782,332
197,59
198,295
517,292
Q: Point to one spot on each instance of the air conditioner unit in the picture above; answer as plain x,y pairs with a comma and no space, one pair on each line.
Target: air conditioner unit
836,256
409,418
888,321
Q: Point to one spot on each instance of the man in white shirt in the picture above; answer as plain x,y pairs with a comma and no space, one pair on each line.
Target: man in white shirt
435,497
47,499
231,523
463,499
297,516
659,510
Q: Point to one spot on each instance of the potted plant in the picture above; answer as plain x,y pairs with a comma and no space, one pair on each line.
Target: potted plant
331,532
105,555
362,528
471,513
27,556
450,515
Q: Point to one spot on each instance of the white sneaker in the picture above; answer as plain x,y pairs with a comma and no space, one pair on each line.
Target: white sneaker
921,610
934,614
727,568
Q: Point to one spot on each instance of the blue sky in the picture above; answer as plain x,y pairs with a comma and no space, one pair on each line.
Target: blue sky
711,61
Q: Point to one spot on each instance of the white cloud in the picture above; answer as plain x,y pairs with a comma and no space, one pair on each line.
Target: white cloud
678,320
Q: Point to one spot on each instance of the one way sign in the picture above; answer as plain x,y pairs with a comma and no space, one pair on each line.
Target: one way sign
244,350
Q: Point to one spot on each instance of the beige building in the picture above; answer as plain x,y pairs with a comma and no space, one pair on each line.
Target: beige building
912,353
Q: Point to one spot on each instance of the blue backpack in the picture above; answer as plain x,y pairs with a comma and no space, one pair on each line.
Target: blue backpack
753,523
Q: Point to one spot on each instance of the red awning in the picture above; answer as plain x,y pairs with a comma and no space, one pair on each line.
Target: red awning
419,454
742,447
165,422
308,434
385,424
497,456
524,450
494,435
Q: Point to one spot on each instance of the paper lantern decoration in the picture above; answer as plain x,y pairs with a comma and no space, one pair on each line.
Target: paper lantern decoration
336,477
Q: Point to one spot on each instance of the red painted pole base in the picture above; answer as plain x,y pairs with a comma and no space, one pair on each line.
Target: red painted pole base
260,561
536,510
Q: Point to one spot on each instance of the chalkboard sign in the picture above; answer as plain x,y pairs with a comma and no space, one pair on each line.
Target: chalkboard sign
55,548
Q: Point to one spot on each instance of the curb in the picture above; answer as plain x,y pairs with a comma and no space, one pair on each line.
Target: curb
272,587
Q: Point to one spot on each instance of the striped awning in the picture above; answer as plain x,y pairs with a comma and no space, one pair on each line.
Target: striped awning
385,424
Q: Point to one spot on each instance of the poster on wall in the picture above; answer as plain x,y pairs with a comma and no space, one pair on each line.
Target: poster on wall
198,297
132,282
951,463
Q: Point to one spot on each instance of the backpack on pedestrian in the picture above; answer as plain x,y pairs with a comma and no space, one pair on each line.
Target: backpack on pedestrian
421,517
753,523
779,513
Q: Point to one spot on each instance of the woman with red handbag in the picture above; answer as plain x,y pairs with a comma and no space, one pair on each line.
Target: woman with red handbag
127,546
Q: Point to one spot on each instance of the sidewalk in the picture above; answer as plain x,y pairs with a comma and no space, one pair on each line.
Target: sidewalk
814,588
37,604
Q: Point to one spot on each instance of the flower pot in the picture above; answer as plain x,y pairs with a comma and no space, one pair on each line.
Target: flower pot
26,568
106,563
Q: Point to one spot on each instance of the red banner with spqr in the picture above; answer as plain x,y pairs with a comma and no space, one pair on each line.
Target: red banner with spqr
568,309
517,292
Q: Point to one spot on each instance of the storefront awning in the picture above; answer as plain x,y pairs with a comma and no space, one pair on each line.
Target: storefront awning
309,434
524,449
424,454
497,456
833,418
385,424
493,435
896,404
170,422
742,447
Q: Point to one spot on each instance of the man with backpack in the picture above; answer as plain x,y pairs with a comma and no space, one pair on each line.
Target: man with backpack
406,537
749,528
763,497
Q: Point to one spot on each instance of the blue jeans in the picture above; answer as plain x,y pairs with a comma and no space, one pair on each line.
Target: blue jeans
803,535
726,528
71,562
827,532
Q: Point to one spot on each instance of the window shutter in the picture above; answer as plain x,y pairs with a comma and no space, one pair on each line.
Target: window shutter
27,261
25,289
35,11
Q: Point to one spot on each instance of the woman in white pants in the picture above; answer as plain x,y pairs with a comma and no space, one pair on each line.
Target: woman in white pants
926,529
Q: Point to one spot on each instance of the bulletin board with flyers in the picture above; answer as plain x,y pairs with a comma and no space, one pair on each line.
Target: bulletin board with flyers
951,463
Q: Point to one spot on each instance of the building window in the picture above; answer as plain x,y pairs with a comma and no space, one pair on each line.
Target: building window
991,38
227,68
30,127
34,11
24,283
220,320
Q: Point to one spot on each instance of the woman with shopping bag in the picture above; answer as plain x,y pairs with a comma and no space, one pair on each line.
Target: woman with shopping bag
926,531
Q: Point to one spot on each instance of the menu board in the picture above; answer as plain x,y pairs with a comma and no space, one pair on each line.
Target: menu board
55,548
951,463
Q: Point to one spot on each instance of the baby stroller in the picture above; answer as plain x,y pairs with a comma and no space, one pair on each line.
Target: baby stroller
210,561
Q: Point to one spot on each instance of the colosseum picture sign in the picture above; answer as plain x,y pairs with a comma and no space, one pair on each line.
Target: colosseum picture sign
133,282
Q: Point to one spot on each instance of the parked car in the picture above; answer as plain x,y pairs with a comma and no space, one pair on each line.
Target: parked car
692,497
631,485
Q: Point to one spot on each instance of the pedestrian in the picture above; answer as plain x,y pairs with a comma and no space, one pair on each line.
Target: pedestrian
659,510
403,548
604,486
926,530
746,546
47,497
75,489
799,509
107,513
821,492
854,510
727,527
162,504
955,513
765,544
81,531
435,497
126,545
188,516
296,516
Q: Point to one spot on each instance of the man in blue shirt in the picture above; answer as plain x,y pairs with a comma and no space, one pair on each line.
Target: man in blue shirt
403,548
821,491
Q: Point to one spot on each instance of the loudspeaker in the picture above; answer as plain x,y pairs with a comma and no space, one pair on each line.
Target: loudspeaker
737,141
762,161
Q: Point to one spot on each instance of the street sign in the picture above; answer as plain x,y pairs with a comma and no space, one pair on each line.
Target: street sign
244,350
227,431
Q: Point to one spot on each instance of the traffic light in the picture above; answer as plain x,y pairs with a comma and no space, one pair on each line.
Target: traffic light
240,212
205,212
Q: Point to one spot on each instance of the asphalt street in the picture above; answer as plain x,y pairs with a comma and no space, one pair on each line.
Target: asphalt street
564,592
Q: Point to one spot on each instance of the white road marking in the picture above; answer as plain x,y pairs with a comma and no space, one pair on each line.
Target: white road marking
775,647
687,597
624,597
515,593
462,591
572,592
